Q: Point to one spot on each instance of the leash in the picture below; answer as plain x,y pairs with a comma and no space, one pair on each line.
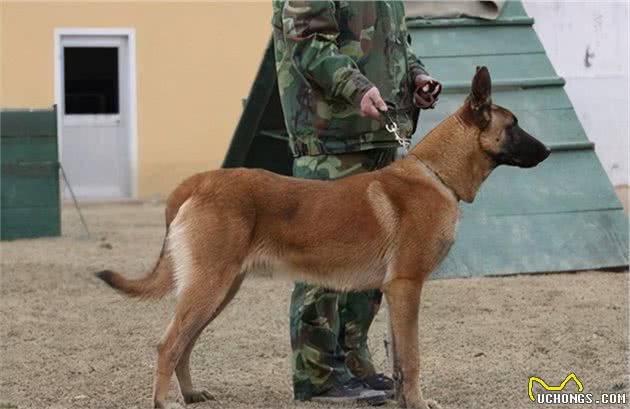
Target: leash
76,203
391,126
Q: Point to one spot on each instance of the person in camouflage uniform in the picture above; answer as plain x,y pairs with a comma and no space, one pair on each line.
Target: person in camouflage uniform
338,64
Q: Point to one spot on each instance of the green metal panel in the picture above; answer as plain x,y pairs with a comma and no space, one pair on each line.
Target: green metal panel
457,70
29,184
538,243
561,216
569,181
28,123
28,149
517,99
29,195
552,126
29,222
469,41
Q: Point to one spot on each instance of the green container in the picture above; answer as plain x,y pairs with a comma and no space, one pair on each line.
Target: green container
29,174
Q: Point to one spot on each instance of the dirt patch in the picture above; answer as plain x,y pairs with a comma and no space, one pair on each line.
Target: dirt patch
67,341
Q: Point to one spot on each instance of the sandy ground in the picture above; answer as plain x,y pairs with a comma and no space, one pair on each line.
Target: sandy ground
67,341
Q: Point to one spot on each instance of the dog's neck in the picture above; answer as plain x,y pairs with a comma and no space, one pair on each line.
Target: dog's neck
452,151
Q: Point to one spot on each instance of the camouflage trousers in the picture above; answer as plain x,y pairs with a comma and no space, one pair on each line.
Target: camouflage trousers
329,329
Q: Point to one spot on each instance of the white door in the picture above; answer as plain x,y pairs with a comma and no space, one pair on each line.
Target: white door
94,105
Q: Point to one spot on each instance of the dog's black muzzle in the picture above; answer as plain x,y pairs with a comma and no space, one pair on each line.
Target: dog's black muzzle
521,149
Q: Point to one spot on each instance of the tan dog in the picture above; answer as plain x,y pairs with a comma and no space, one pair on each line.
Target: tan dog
387,229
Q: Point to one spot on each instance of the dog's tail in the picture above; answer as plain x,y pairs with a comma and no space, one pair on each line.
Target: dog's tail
161,280
156,284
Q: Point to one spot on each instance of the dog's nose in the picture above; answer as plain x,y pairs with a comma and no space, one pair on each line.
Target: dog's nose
546,153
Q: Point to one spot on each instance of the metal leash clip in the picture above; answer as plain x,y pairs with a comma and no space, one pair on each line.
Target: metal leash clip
392,127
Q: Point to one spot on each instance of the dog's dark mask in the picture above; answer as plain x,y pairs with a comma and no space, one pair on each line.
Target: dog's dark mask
520,148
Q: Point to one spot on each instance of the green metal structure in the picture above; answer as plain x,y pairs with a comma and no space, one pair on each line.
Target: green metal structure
29,178
560,216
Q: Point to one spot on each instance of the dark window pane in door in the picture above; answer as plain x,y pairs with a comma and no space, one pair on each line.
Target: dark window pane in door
91,80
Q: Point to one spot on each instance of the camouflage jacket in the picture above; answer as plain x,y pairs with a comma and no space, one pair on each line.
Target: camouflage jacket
328,54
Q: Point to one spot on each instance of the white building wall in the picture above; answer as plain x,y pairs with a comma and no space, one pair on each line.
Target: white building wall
587,43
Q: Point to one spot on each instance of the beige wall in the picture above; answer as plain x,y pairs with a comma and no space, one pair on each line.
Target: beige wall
195,63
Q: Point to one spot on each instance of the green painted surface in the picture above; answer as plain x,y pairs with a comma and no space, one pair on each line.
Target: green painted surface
550,125
515,98
28,123
538,243
511,9
502,67
29,185
566,182
29,167
28,148
469,41
561,216
30,222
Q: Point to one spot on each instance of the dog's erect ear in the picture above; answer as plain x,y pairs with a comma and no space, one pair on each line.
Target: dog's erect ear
482,87
480,98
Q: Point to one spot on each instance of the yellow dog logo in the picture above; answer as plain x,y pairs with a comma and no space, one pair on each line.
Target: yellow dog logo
533,379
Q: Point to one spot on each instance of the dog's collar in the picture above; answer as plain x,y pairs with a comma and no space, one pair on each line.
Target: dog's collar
436,176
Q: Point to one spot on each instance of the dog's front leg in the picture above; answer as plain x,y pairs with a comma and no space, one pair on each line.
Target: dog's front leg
403,300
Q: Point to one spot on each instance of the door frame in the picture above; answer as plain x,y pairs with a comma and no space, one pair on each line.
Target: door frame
131,92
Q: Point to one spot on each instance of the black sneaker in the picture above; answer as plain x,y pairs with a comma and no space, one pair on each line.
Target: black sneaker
380,382
352,391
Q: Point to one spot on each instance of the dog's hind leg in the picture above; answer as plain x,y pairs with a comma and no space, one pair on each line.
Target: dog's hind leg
182,370
198,303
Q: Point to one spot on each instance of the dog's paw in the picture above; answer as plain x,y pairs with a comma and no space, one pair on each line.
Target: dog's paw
198,396
431,404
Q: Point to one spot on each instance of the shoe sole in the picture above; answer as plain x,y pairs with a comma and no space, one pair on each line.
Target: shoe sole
373,398
389,393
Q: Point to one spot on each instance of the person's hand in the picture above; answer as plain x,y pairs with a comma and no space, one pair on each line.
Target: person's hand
427,91
372,103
